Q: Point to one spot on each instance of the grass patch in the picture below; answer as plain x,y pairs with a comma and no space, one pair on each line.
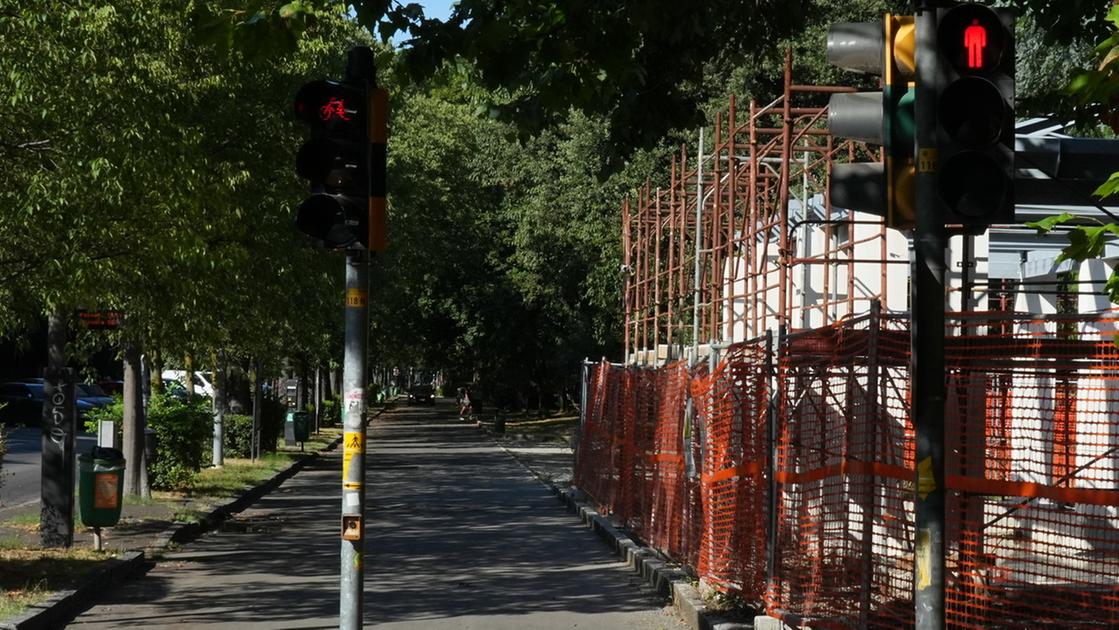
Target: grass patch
237,475
316,441
137,500
28,521
32,575
187,516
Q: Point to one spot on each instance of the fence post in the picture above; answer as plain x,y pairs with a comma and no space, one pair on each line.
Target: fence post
771,462
578,437
869,451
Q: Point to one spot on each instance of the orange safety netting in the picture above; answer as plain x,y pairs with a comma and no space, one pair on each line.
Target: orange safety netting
1031,469
732,412
844,477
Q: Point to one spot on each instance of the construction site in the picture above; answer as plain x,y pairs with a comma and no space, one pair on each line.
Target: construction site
759,429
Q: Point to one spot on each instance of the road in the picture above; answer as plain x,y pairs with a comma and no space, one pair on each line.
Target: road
21,470
459,536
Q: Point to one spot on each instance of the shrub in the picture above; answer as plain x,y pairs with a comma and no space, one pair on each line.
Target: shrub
183,430
238,435
331,413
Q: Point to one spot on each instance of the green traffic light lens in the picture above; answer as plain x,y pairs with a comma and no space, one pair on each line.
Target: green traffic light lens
974,185
973,112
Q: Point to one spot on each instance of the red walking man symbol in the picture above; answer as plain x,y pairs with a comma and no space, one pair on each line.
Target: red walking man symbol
975,40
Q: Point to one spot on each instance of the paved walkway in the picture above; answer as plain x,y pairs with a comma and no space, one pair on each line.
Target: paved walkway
460,536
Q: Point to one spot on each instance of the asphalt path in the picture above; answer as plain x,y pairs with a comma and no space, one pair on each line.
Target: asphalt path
21,472
459,536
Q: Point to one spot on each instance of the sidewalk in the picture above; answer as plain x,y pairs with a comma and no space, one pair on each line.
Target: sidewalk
460,536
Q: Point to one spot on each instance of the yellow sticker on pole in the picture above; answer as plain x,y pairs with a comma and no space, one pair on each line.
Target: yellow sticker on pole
926,160
356,298
926,480
353,444
923,560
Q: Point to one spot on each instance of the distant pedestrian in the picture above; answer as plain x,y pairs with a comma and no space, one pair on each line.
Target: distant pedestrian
464,404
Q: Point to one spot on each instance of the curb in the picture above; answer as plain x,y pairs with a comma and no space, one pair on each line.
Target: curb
666,578
63,605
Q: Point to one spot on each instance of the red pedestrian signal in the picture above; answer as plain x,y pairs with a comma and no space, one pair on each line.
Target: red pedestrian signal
975,40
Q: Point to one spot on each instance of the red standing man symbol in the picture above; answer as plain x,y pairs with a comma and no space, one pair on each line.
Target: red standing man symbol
975,40
334,108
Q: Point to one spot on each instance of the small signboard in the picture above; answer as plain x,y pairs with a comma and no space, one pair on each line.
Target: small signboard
101,320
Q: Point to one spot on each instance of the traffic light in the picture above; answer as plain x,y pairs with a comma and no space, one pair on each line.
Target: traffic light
975,115
336,161
886,118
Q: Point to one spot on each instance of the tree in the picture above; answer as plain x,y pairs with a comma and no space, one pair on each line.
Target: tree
1097,88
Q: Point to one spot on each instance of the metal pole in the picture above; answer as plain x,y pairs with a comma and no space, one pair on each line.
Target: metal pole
929,245
696,276
353,423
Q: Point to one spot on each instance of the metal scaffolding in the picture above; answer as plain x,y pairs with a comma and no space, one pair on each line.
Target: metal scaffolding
744,239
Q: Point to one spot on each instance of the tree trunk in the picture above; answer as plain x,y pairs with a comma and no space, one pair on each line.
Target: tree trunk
133,428
188,368
219,383
155,376
301,384
318,396
258,406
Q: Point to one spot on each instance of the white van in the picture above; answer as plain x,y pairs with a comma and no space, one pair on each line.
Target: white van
202,383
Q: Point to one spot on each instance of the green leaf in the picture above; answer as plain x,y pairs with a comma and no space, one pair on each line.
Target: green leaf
1087,242
1112,287
1108,188
1047,224
1113,15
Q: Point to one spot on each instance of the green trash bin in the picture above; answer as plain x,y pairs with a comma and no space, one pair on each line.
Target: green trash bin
297,427
101,486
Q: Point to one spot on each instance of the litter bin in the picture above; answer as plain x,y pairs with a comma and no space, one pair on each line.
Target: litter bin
297,427
101,486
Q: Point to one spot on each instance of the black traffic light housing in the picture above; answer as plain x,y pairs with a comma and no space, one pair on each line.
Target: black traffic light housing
975,115
336,161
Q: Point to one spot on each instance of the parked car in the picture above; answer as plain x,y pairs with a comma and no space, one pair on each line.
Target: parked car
111,387
93,395
202,384
23,403
421,394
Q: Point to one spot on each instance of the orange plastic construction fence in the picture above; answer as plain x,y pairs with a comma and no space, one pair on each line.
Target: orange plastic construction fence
785,474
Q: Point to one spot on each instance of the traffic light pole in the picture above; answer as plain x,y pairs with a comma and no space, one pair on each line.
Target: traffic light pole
929,246
353,423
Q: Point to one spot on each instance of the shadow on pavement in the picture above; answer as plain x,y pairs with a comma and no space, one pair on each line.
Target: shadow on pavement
455,528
